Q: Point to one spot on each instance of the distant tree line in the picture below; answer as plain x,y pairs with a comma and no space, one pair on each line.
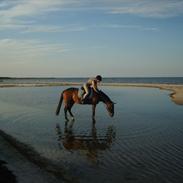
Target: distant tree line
5,78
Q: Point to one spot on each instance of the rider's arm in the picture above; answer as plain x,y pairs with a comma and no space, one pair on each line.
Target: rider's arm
94,86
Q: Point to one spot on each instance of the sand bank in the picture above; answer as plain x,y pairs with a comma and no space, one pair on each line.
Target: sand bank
176,90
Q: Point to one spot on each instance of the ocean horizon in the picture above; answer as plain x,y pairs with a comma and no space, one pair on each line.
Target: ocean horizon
37,80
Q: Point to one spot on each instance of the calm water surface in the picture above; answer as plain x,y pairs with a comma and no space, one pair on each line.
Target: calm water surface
141,143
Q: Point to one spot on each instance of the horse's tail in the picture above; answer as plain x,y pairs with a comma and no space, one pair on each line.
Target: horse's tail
59,104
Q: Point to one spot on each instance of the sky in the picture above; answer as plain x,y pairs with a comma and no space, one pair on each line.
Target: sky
83,38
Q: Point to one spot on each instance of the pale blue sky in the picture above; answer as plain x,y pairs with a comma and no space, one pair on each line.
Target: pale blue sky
82,38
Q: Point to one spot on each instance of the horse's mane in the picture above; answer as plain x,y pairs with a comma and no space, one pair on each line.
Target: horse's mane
104,97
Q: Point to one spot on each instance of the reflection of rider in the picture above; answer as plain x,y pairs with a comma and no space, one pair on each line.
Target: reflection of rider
92,82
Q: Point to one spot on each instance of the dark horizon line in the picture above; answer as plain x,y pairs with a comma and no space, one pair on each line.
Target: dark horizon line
88,77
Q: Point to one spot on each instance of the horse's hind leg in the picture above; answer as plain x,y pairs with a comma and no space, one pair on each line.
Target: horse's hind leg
68,107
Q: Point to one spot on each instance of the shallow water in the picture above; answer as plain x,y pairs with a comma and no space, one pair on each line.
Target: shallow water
141,143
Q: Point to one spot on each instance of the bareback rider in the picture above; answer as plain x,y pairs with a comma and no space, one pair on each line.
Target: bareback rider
91,83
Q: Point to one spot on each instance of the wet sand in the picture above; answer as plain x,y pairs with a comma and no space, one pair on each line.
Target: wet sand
176,90
20,164
5,174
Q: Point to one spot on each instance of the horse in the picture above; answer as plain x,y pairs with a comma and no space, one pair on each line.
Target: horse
71,96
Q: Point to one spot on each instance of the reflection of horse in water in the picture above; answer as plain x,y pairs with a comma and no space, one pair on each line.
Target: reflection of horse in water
71,96
90,144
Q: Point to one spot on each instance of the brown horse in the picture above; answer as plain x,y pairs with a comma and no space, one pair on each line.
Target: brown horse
70,96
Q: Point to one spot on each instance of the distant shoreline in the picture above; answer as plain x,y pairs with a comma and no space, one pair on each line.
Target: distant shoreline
38,80
176,89
5,78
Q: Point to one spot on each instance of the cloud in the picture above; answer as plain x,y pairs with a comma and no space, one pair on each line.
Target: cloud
23,8
31,28
11,11
51,28
150,8
26,50
19,12
29,45
135,27
23,15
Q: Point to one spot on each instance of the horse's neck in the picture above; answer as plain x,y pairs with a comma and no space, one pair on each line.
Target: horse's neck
104,98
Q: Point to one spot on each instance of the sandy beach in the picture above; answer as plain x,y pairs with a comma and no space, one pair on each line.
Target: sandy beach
176,89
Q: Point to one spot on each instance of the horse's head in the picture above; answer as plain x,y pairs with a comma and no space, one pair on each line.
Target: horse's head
109,104
110,108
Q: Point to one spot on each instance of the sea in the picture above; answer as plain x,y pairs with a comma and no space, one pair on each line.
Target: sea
153,80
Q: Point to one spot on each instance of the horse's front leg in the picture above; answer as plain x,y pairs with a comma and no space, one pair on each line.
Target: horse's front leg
72,116
69,109
65,112
93,111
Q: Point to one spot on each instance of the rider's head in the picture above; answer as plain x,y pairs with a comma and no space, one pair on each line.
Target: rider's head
99,78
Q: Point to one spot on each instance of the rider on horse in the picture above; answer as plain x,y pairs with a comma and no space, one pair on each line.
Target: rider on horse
91,83
70,97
